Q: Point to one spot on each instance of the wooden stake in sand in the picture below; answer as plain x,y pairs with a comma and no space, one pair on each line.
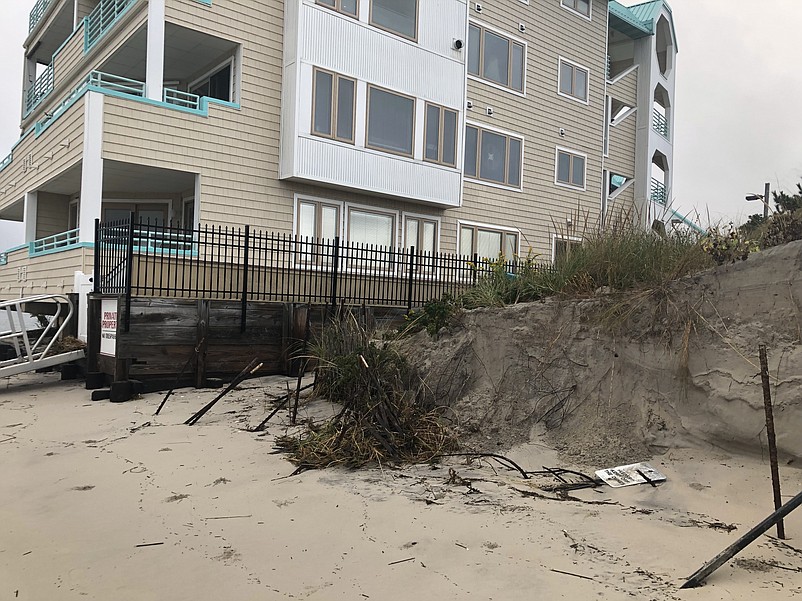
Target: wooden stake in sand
251,369
775,470
719,560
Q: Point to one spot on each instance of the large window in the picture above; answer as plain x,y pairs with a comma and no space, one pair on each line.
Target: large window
348,7
492,156
371,227
580,6
317,219
441,135
333,111
398,16
217,84
420,233
487,242
496,58
573,81
570,169
391,121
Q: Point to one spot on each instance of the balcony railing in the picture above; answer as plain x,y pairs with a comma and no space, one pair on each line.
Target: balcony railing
179,98
658,192
40,89
54,243
102,18
116,83
38,11
660,123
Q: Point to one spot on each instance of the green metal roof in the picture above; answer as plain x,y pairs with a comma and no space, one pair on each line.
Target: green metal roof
639,20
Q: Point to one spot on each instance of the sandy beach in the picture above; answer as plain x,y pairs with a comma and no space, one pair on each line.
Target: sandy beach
107,501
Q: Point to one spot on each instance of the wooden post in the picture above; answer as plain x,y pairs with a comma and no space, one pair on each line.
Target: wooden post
719,560
201,342
775,470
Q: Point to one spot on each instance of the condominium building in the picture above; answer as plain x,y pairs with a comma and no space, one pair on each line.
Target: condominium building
504,127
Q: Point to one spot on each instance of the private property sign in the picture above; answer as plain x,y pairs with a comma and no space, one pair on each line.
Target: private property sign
108,327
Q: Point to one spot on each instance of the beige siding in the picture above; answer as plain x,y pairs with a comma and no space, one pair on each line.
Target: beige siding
551,32
52,214
84,7
46,274
38,160
622,147
66,61
626,88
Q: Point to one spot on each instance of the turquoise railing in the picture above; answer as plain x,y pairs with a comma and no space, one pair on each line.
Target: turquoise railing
658,192
660,123
116,83
56,242
40,89
102,18
179,98
7,161
37,13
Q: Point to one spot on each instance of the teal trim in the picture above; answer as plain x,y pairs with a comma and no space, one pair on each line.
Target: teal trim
624,20
37,12
103,18
61,249
10,158
206,2
687,221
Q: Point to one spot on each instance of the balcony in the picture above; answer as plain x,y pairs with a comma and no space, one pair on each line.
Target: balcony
103,18
658,192
660,123
38,11
40,90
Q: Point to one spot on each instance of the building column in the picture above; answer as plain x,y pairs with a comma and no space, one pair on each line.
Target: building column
30,215
91,203
154,78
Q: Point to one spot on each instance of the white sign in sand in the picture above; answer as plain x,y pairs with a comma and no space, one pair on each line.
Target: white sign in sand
630,475
108,327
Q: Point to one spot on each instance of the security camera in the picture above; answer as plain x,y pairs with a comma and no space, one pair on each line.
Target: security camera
457,44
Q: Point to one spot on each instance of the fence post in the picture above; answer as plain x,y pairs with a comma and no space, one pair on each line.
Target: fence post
335,266
475,267
411,278
245,280
129,269
96,260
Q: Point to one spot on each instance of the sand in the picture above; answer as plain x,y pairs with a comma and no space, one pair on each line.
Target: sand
85,484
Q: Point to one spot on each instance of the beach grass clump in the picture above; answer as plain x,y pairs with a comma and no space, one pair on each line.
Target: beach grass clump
385,416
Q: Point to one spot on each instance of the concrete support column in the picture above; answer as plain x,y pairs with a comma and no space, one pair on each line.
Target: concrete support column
154,74
92,168
30,215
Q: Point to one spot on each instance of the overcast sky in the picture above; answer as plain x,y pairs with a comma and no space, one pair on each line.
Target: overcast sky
737,116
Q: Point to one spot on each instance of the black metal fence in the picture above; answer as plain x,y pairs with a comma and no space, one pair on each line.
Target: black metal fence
216,262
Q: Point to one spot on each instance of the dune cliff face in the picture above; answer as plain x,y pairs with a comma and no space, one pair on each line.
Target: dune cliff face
622,376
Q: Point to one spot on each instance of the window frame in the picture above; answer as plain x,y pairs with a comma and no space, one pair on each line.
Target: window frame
571,240
405,217
496,229
572,154
338,8
512,40
335,87
349,207
232,85
318,203
392,31
571,5
574,67
478,159
440,132
414,100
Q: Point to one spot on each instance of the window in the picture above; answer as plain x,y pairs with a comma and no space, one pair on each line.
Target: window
348,7
420,233
573,81
563,247
333,110
371,227
493,156
570,169
398,16
496,58
441,135
188,214
217,84
74,215
317,219
487,242
391,121
580,6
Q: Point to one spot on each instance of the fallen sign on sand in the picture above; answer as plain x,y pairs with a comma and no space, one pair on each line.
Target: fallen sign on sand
630,475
